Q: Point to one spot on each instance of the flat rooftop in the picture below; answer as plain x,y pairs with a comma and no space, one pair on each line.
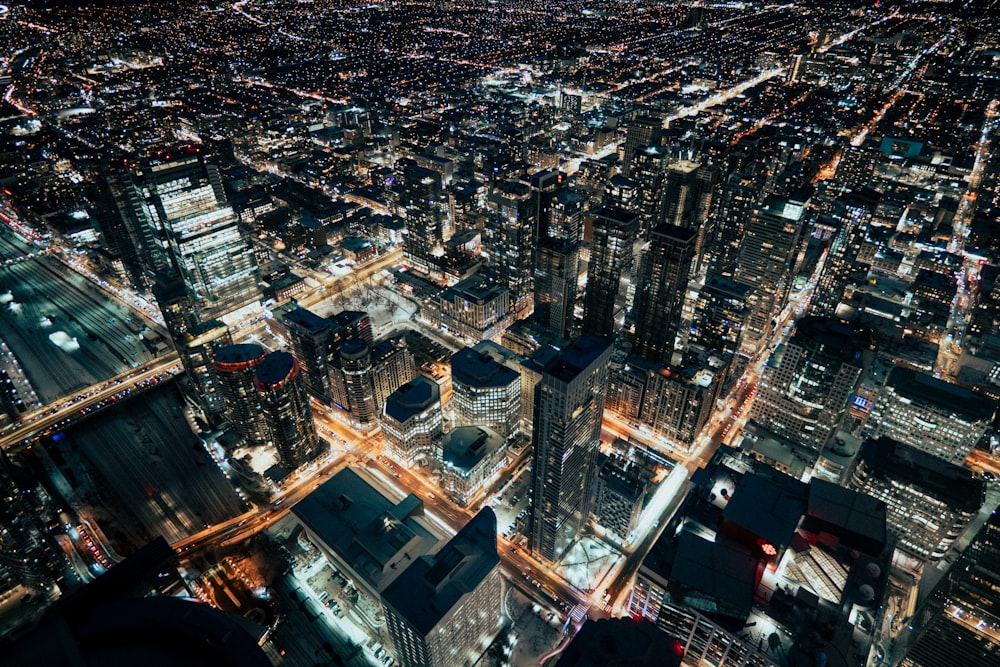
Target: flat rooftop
375,536
928,390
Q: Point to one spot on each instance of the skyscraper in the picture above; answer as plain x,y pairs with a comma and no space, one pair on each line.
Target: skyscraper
738,200
643,131
721,311
569,406
286,409
661,285
613,233
176,209
507,239
236,366
311,340
844,268
557,267
425,212
356,367
768,252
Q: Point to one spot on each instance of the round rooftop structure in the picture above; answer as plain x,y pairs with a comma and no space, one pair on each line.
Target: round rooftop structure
354,350
236,358
277,369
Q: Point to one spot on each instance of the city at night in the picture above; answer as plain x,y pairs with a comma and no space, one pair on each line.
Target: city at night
500,333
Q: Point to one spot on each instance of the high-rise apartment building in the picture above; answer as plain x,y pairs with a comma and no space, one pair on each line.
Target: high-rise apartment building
613,233
485,392
642,131
392,367
808,383
569,406
769,251
739,197
197,347
286,409
412,422
678,402
720,313
508,237
311,341
445,609
356,371
557,268
934,416
424,208
236,366
661,285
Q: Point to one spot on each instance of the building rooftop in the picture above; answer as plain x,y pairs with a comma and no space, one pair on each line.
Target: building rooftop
856,518
377,537
480,369
580,354
430,587
955,485
412,398
928,390
621,641
306,319
276,369
768,506
466,446
237,357
725,574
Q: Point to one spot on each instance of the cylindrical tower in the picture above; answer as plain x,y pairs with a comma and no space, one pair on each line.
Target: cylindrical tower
286,410
356,364
236,366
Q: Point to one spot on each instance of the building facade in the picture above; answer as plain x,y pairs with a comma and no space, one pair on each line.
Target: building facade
412,422
569,405
286,409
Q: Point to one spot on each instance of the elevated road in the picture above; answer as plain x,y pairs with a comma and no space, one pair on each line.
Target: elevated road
74,408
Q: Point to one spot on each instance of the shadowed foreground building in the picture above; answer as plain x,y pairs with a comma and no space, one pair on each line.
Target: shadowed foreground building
444,610
961,618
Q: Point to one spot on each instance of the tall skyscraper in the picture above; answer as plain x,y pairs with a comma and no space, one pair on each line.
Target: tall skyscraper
805,389
508,239
643,131
557,268
544,187
425,211
286,409
236,366
356,367
197,347
311,340
661,285
721,311
768,253
738,200
613,233
177,210
569,406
